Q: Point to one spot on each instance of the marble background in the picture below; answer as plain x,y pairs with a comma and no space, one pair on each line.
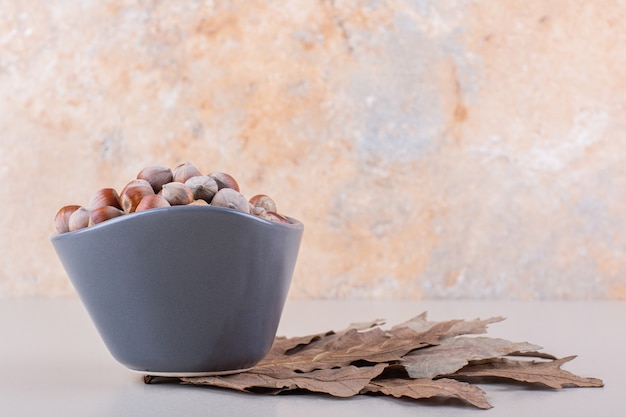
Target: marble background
458,149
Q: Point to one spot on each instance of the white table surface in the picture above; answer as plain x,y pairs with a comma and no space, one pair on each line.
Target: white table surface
53,363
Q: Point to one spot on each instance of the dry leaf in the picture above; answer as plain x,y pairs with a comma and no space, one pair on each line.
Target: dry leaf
547,373
453,354
416,359
287,346
368,343
428,388
420,324
339,382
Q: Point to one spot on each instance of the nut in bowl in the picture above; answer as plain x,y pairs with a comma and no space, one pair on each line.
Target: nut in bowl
183,290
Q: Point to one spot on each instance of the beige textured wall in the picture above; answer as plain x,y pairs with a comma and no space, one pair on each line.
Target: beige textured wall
433,149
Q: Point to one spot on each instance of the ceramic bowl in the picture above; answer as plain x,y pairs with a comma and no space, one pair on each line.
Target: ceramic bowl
187,290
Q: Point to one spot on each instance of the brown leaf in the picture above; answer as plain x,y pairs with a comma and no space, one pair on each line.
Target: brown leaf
339,382
374,345
476,326
378,346
366,342
326,352
288,346
428,388
453,354
459,327
418,359
534,354
547,373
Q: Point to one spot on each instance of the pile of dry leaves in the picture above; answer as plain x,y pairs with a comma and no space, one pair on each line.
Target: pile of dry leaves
416,359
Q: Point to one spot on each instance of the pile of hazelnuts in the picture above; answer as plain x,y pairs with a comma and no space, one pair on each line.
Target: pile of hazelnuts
158,186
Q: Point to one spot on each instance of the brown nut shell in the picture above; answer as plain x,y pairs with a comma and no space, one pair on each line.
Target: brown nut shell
199,202
185,171
79,219
105,197
261,200
203,187
104,213
152,201
274,217
133,193
231,198
224,180
177,194
135,183
156,175
61,220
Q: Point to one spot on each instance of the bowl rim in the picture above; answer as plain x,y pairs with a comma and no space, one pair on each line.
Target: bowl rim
129,217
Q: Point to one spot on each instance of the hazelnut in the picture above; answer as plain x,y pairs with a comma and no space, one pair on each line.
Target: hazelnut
135,183
257,211
177,194
199,202
224,180
203,187
261,200
132,194
156,175
158,186
105,197
79,219
61,220
185,171
231,198
274,217
152,201
104,213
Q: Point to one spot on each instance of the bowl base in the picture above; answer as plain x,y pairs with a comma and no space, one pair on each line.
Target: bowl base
190,374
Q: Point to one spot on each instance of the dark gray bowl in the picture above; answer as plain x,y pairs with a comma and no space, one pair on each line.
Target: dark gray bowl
185,290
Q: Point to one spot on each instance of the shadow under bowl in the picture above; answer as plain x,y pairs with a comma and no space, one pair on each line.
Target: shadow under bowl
188,290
